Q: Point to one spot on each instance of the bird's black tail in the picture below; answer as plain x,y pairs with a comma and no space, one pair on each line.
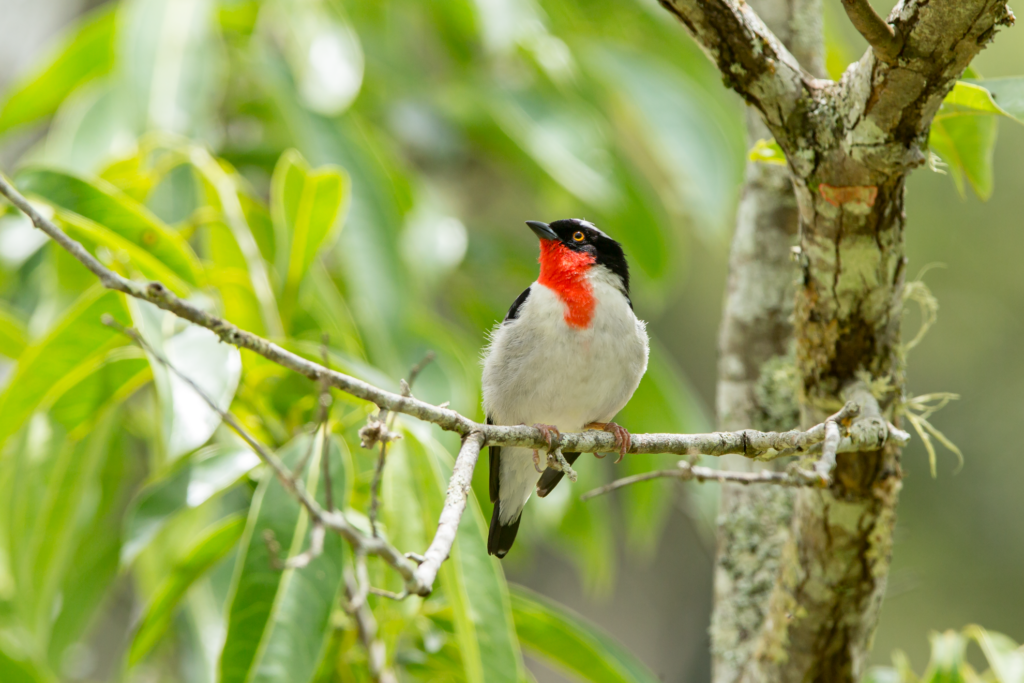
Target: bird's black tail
501,536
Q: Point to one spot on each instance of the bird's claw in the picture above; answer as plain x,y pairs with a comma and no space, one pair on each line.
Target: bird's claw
623,440
536,462
551,435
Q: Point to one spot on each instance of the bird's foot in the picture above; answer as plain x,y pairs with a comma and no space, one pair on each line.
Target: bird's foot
536,461
551,435
622,437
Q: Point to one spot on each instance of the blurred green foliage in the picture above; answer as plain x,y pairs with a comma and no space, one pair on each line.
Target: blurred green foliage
305,168
1004,660
360,170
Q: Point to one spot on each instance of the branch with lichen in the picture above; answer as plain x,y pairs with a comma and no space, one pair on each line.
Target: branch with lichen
419,575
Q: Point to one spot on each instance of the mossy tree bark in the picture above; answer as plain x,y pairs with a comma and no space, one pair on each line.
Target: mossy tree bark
756,370
800,581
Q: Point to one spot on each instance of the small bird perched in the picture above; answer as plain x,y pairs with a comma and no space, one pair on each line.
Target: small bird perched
568,356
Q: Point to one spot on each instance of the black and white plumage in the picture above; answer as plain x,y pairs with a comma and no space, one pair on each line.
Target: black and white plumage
569,353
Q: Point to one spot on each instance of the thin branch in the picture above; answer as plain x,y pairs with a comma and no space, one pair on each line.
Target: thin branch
752,59
378,475
378,472
881,36
420,579
861,412
362,575
750,443
687,472
391,595
454,506
321,517
366,625
315,550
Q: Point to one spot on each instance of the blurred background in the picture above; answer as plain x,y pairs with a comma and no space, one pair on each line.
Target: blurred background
456,121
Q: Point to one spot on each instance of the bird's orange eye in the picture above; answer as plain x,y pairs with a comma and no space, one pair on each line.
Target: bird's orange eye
578,236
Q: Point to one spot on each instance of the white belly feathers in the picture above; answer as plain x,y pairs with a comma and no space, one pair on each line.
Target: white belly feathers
539,369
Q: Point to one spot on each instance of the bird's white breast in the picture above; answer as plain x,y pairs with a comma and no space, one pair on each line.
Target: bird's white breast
540,369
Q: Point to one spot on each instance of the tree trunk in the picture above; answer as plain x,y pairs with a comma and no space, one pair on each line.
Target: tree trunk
757,383
802,605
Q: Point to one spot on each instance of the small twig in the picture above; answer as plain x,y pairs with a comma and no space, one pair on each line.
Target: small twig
415,371
315,550
366,625
330,520
378,472
300,466
557,461
388,594
378,475
883,38
362,576
687,472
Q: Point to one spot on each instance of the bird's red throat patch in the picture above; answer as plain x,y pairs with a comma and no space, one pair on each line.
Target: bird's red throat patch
564,272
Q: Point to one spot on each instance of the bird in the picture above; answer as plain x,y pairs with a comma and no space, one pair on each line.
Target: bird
568,356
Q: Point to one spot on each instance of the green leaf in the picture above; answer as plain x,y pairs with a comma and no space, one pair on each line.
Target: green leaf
93,235
279,620
472,580
230,275
197,354
559,636
172,63
247,221
13,337
560,139
85,53
1004,655
207,551
767,152
307,207
19,670
74,476
686,132
882,674
1008,94
106,205
76,400
368,245
968,98
44,365
947,658
91,126
190,483
967,145
97,547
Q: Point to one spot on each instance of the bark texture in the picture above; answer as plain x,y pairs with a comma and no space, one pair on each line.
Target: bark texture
756,372
849,146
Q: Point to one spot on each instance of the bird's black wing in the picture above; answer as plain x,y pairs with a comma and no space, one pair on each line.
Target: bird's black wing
513,311
494,452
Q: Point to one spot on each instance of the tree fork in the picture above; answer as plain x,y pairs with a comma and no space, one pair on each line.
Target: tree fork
849,146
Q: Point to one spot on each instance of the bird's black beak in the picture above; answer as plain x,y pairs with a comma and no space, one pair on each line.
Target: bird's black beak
542,230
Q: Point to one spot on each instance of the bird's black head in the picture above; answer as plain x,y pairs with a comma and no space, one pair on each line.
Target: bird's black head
582,236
